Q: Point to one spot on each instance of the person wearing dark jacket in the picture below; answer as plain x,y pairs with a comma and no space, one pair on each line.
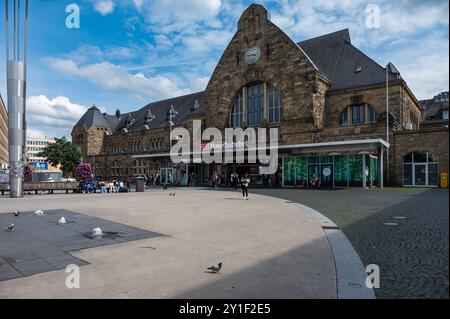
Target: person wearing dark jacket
245,182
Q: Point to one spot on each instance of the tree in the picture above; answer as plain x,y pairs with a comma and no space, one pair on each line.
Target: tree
27,174
63,153
83,173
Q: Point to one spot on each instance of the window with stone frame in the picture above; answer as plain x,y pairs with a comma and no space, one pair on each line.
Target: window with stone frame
275,106
98,169
236,112
257,99
139,167
116,168
358,115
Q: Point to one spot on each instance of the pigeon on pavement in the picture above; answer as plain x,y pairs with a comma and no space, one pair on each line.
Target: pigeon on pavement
16,213
39,212
215,269
9,228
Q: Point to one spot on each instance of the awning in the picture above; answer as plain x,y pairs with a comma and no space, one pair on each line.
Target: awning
339,146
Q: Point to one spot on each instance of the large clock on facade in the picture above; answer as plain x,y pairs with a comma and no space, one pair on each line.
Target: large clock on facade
252,55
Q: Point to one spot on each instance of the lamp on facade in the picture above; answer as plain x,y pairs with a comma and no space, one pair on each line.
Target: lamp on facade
16,74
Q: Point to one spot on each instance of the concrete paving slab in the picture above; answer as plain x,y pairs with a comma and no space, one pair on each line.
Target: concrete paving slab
270,249
39,244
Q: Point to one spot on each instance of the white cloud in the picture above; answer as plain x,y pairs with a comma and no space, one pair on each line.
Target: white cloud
104,7
209,41
114,77
180,16
52,117
138,3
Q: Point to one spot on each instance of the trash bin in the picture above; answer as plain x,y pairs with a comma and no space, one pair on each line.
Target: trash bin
444,180
139,184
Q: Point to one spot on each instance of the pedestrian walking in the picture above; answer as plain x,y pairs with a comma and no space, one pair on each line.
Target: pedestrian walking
171,185
245,182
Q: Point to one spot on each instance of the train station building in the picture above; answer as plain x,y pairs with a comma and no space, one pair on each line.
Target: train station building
329,101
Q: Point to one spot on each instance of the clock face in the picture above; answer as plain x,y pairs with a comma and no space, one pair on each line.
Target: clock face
252,55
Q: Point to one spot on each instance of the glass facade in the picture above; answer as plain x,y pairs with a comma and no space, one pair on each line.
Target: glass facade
332,171
340,171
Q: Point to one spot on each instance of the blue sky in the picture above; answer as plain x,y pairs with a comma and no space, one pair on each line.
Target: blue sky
128,53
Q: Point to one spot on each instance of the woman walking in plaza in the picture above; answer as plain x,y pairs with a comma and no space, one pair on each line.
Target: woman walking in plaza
171,185
245,182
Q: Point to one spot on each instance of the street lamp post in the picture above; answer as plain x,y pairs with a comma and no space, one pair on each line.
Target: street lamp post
171,113
16,74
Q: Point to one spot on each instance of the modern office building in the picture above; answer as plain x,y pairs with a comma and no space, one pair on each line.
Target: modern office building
327,98
4,159
33,147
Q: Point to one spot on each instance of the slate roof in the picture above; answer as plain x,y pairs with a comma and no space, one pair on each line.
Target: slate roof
93,116
433,107
336,57
183,105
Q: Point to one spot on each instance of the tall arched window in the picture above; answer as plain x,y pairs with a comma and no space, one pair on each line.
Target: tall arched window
236,112
255,104
358,115
420,169
260,98
275,106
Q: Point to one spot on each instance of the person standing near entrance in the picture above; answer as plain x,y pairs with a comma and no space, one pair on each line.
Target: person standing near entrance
245,182
213,179
191,179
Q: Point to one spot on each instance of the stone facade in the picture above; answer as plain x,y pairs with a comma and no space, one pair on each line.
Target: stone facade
282,64
311,107
431,138
4,159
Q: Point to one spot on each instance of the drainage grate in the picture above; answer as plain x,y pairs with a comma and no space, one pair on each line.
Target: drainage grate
390,224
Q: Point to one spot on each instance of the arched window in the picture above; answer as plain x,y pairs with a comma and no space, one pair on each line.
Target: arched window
358,115
275,106
255,104
257,99
420,169
236,112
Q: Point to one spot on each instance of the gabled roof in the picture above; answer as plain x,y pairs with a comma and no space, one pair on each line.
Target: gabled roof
93,116
343,64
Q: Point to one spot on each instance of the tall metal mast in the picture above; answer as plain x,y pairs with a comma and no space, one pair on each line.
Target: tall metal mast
16,87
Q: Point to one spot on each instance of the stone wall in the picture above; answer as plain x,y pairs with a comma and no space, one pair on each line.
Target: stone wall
282,64
432,138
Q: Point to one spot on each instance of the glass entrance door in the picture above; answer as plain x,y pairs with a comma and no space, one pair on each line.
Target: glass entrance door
327,175
313,175
420,174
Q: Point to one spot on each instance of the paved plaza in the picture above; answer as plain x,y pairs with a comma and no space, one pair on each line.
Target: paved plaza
269,248
412,255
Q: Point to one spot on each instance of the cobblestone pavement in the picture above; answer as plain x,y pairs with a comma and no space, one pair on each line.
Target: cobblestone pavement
412,256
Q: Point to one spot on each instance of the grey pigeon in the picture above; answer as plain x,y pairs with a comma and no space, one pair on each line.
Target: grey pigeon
215,269
16,213
9,228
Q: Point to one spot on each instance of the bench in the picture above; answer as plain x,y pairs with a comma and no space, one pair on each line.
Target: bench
45,186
